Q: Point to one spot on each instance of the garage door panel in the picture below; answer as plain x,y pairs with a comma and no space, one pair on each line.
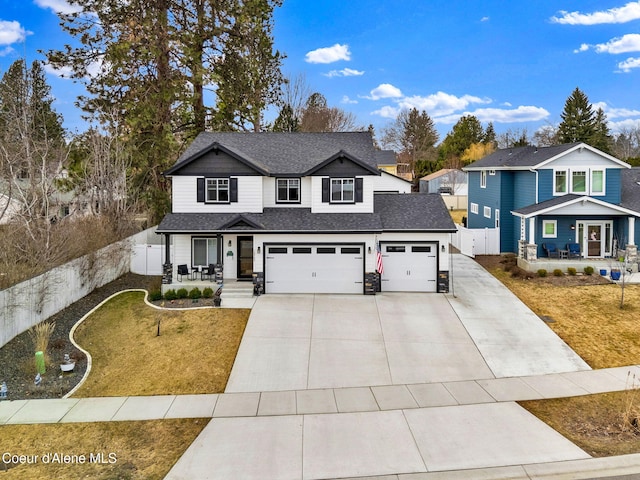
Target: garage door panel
409,267
314,269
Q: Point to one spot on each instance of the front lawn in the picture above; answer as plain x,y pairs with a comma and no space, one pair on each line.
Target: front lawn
194,352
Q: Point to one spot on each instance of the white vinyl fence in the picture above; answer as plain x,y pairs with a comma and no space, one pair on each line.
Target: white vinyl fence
30,302
477,241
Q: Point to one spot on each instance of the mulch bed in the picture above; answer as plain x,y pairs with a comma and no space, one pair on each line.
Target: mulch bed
17,363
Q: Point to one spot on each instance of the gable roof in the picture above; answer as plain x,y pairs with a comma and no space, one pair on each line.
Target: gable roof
386,157
550,206
631,189
443,171
524,158
283,153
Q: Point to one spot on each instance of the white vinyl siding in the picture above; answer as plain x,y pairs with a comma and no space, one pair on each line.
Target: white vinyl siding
389,183
366,206
184,191
269,194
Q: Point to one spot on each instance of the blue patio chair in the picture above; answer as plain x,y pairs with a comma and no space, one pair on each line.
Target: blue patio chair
573,250
551,250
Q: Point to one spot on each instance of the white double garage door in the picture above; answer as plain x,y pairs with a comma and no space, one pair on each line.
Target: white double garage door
339,268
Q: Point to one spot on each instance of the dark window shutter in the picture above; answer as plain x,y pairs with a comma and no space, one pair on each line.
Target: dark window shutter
200,189
325,190
359,190
233,189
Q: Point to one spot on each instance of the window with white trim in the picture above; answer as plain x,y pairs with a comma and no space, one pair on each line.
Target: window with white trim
487,212
217,190
597,182
342,190
204,251
288,190
579,181
474,208
549,229
492,172
560,182
483,179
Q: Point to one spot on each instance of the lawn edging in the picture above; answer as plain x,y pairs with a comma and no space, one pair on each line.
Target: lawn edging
79,322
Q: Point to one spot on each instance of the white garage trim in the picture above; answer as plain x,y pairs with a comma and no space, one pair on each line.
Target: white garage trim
409,266
314,267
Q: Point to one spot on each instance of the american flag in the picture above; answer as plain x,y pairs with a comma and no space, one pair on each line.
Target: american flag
379,267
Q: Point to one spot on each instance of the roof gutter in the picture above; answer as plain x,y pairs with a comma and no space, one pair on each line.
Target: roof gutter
537,186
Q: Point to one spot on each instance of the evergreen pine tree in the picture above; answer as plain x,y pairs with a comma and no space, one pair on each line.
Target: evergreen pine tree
578,119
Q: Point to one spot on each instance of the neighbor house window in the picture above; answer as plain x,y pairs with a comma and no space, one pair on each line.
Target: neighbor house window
288,190
483,179
560,182
474,208
218,190
487,212
579,181
204,251
597,182
342,190
549,228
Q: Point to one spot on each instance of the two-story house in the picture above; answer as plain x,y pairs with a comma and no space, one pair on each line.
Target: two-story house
304,213
563,194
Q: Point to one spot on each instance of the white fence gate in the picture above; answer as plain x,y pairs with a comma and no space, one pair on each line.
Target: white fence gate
477,241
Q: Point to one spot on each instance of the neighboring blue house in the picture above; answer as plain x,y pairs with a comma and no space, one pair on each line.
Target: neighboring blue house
563,194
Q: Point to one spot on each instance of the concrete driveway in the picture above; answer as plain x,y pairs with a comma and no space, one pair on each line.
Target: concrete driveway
478,331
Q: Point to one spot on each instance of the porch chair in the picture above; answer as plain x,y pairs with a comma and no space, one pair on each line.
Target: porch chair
183,271
573,250
551,250
208,272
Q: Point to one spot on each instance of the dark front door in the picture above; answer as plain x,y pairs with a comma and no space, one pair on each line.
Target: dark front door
245,258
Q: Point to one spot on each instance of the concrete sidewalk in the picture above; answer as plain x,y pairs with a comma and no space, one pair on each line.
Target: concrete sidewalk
471,429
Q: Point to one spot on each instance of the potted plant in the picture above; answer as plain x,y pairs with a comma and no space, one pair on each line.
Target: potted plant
615,274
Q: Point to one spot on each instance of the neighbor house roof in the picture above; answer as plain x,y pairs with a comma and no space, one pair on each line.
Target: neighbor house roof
286,153
529,157
441,172
392,212
386,157
631,189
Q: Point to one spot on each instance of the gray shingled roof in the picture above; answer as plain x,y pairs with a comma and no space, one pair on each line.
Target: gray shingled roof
520,157
285,153
553,202
631,188
393,212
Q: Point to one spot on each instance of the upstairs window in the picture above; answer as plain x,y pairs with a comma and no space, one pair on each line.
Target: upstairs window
218,190
597,182
288,190
483,179
579,181
560,182
342,190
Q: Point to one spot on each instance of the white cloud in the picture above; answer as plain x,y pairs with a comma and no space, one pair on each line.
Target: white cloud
345,72
626,43
387,112
58,6
484,19
440,103
629,64
328,54
346,99
628,13
66,72
384,90
583,48
628,124
12,32
498,115
6,51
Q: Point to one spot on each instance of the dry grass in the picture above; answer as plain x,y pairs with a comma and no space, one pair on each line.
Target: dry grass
143,450
193,354
588,318
457,215
40,335
595,423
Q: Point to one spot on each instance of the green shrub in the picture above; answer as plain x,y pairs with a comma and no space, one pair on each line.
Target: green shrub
571,271
557,272
588,270
155,295
207,292
195,294
182,293
170,295
542,272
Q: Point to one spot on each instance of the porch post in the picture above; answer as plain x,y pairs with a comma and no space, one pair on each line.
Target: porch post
167,266
632,227
532,230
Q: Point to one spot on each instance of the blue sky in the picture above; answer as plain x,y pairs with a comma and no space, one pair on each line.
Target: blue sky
512,63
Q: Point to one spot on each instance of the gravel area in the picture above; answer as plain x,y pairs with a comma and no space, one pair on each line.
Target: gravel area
17,361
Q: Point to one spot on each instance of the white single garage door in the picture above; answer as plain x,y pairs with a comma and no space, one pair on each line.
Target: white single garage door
409,267
325,268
